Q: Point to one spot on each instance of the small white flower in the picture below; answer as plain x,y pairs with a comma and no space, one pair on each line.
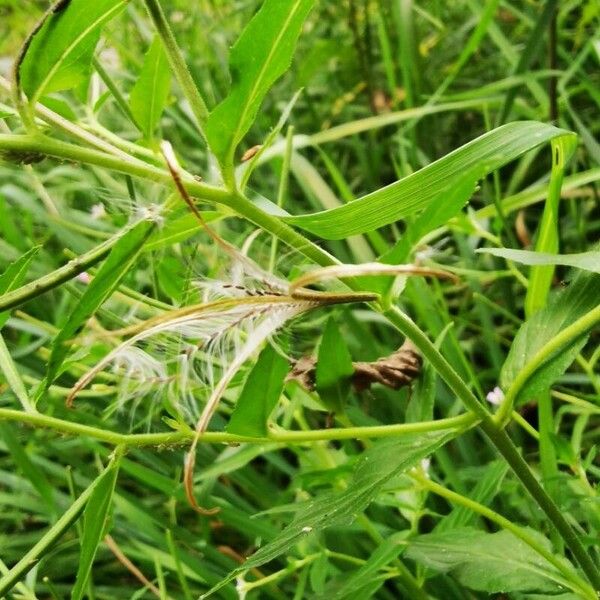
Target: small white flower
307,529
84,277
98,211
425,463
495,396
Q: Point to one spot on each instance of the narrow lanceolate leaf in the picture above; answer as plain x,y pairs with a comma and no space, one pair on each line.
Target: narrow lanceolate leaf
384,460
114,268
588,261
260,56
58,54
334,369
573,305
150,92
259,394
14,275
419,190
95,522
488,562
540,277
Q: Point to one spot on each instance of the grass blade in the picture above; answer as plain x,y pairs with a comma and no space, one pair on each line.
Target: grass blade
588,261
540,277
95,520
31,558
417,191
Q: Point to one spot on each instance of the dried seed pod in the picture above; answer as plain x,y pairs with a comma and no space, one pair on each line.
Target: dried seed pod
393,371
251,152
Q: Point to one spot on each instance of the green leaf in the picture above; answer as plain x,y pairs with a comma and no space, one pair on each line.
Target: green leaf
384,460
368,576
29,469
588,261
58,53
95,522
419,190
260,56
436,214
334,369
581,296
7,366
485,490
49,539
488,562
540,277
260,394
150,92
114,268
14,275
175,230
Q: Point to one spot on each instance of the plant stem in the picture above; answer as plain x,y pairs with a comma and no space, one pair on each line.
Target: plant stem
507,449
55,278
17,145
178,65
185,437
115,91
500,439
289,236
545,353
578,584
30,559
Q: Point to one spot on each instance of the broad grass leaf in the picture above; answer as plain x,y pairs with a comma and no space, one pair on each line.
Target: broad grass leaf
259,395
588,261
436,214
260,56
567,306
419,190
151,90
114,268
14,275
334,368
384,460
59,53
95,521
488,562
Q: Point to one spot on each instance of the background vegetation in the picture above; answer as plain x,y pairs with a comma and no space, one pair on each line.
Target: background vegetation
386,88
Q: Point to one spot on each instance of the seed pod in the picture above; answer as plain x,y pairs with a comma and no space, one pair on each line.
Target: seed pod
393,371
250,153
